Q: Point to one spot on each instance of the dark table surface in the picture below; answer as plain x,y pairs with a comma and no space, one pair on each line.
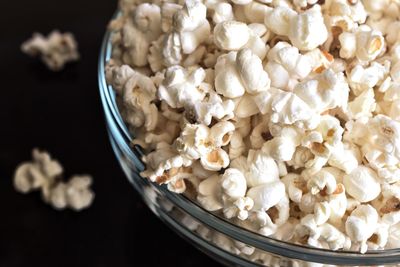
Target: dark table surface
61,113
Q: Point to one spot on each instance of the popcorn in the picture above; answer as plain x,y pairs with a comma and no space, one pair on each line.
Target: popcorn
223,12
75,194
237,73
137,91
262,169
231,35
343,10
251,71
282,148
363,105
286,65
192,25
55,50
209,194
265,196
226,38
201,142
44,174
326,91
138,32
281,116
306,31
362,184
365,44
361,224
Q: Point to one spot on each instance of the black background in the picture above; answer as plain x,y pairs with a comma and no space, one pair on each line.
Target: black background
61,113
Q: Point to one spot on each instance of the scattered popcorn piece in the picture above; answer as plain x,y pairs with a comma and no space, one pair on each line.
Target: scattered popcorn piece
44,174
55,50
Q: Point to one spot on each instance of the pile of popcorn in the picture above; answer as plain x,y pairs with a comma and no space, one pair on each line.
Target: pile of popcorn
44,173
281,115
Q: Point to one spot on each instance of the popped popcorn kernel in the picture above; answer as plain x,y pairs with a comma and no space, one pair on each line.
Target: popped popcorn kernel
44,174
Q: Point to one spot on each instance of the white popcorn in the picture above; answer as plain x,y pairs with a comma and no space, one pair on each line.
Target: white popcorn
237,73
223,12
326,91
74,194
345,158
44,174
192,25
280,148
55,50
379,144
361,224
233,183
255,12
306,31
365,44
237,146
295,185
262,169
279,20
288,108
363,105
286,65
231,35
160,161
40,173
254,78
267,195
343,10
322,181
325,232
362,184
167,12
259,135
213,106
201,142
181,87
137,91
143,27
227,78
282,116
327,135
226,37
209,193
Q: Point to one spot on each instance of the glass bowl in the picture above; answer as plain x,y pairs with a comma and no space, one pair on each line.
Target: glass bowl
220,239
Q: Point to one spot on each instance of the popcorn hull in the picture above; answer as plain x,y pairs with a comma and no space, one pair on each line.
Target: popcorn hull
227,243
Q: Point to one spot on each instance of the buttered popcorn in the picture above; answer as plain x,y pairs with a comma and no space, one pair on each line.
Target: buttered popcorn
276,114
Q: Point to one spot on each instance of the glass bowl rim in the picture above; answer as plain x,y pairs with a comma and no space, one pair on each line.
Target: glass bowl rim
267,244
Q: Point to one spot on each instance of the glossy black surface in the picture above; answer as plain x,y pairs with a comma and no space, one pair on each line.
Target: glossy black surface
61,112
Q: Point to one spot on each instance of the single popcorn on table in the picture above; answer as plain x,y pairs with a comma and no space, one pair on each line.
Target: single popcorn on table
44,174
55,50
281,116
